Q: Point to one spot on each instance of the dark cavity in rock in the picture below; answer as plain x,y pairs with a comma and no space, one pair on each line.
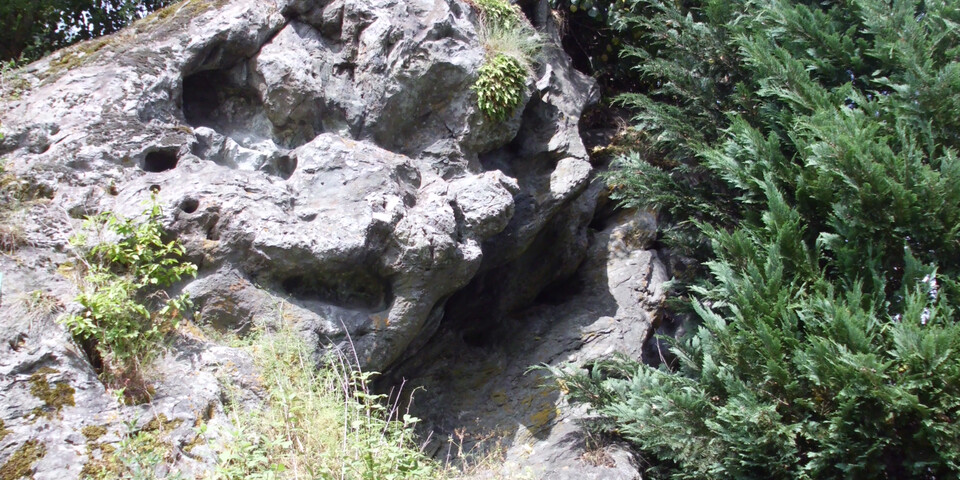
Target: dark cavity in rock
160,161
189,205
355,291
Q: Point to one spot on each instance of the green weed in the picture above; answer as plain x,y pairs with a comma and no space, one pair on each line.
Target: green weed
125,313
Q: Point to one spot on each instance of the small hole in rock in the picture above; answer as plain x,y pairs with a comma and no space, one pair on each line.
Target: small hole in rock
189,205
160,161
154,188
213,233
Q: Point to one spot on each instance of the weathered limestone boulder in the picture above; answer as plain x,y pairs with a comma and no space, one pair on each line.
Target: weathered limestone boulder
323,158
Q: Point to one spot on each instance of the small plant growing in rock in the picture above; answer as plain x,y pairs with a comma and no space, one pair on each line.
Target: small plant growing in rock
125,313
499,12
500,86
511,45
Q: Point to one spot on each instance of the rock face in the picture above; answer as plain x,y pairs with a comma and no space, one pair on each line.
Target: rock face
518,415
327,156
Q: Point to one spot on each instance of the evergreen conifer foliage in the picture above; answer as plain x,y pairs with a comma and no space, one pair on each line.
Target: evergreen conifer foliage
813,145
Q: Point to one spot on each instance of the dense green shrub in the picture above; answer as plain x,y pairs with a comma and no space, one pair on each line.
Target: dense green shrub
813,147
125,313
498,12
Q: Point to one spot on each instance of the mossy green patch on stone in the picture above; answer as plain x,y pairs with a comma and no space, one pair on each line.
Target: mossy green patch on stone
20,464
197,440
79,54
161,424
102,465
3,430
93,432
140,450
54,398
176,14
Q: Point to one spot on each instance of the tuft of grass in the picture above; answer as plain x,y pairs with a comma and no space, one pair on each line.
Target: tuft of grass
318,422
517,40
17,194
13,83
12,234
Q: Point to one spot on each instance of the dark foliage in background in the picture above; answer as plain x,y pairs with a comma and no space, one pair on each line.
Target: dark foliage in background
808,152
30,29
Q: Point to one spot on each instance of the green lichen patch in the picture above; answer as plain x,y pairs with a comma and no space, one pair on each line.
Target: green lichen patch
139,451
3,430
14,83
54,398
20,464
175,15
205,414
197,440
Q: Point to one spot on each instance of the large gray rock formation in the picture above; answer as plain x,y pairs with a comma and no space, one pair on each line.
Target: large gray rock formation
324,155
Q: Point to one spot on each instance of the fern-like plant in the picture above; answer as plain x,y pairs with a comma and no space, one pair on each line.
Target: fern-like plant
500,86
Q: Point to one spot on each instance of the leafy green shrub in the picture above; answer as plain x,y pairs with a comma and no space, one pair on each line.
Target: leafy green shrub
813,147
511,44
125,314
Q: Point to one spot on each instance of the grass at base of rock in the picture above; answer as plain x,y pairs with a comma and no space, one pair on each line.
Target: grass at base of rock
318,421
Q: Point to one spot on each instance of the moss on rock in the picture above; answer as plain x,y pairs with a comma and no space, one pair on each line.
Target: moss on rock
20,464
54,398
161,424
93,432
